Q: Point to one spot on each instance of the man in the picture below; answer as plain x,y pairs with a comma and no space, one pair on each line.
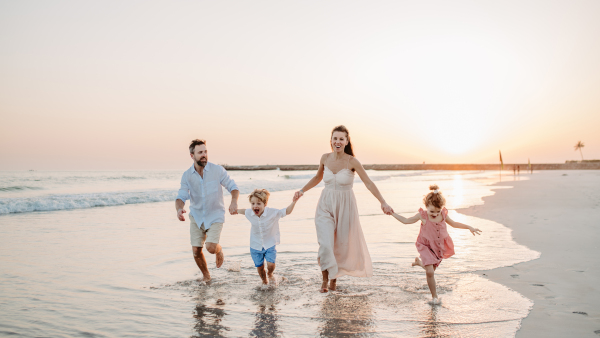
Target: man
201,184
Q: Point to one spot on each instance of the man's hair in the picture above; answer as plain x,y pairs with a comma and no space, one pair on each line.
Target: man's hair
195,143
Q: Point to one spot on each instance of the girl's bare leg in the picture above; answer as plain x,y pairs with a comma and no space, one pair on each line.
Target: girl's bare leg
332,284
418,262
325,281
429,272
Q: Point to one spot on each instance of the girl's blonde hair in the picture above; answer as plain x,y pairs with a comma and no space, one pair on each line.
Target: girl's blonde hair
434,197
261,194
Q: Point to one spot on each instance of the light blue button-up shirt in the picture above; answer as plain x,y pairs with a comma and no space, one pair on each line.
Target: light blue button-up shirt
206,194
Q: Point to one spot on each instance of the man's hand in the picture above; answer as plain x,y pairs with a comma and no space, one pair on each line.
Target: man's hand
180,213
233,208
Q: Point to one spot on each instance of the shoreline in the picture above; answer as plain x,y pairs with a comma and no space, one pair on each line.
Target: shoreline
554,213
508,167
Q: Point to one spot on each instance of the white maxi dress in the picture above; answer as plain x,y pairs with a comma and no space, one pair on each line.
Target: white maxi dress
342,246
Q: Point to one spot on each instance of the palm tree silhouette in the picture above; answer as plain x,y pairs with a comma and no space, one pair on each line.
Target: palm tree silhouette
578,146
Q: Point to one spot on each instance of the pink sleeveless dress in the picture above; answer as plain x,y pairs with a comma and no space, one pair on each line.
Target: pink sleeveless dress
342,246
434,242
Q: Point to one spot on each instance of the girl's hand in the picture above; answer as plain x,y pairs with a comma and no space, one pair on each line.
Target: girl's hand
386,209
297,195
475,231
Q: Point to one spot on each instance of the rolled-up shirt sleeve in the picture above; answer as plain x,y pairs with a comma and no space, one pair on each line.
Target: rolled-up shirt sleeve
184,190
228,182
282,212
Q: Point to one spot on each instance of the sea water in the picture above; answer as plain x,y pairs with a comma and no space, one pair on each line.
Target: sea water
101,254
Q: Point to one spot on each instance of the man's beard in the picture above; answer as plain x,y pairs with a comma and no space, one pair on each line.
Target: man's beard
202,162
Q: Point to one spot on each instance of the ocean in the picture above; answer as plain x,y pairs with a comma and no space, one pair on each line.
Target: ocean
102,254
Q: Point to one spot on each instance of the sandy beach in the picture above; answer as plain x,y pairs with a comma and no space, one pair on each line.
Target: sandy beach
556,213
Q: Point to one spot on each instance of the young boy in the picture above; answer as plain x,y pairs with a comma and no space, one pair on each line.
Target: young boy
264,235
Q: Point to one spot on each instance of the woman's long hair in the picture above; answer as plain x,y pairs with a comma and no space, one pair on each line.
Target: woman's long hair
348,148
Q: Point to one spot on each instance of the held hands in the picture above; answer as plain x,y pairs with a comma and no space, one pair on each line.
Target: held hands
297,195
180,213
474,231
386,209
233,208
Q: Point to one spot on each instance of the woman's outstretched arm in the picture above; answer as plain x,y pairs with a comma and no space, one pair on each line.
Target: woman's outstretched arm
355,164
313,181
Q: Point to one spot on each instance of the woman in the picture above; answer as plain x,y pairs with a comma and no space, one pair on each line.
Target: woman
342,246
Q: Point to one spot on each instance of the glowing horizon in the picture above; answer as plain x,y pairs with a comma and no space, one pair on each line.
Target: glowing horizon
127,85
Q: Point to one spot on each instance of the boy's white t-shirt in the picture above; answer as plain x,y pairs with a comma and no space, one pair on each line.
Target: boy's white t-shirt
265,229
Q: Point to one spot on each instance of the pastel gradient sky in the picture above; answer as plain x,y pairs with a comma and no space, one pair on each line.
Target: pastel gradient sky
88,85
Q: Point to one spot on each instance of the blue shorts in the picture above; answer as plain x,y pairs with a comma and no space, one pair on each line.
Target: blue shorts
259,256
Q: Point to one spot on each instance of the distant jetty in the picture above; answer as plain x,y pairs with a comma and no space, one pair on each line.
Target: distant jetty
586,165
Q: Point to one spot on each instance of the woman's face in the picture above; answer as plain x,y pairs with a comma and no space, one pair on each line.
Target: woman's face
339,140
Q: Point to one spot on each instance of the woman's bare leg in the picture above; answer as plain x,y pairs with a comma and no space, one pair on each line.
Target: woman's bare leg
325,281
332,284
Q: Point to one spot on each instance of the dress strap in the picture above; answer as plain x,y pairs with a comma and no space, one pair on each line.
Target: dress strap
444,214
423,214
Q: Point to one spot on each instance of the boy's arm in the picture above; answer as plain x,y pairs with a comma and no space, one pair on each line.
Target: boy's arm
405,220
462,226
241,211
290,207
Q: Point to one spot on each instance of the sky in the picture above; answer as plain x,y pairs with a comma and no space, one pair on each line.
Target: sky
119,85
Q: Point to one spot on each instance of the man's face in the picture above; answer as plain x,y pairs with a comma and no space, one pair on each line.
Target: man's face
200,155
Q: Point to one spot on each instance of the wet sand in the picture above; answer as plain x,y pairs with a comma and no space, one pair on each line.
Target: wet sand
558,214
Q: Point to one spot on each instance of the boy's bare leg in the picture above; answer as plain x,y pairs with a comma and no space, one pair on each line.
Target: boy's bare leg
201,262
325,281
271,268
215,248
429,272
262,273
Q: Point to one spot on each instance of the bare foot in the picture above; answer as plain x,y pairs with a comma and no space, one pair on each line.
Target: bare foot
417,262
435,301
332,284
204,279
324,287
220,259
271,278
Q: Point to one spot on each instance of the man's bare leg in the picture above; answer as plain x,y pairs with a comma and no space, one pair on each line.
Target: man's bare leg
201,262
215,248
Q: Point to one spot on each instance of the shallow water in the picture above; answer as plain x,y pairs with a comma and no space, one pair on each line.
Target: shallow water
127,270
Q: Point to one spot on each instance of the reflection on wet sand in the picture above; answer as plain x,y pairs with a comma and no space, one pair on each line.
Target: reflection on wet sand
208,321
431,327
346,316
265,318
265,322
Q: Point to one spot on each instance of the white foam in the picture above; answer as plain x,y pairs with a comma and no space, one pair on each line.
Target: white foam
82,201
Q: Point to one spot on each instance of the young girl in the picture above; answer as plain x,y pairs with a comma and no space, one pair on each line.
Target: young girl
434,243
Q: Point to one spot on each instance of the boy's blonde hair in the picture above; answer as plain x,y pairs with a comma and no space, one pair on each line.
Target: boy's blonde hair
261,194
435,197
